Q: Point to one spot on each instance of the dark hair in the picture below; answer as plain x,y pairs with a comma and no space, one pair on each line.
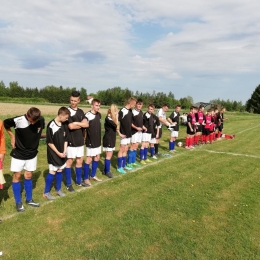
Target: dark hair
95,100
151,105
177,106
34,113
201,106
139,100
75,93
165,105
63,111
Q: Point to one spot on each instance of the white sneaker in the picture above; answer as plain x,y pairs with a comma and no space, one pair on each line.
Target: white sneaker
154,157
95,178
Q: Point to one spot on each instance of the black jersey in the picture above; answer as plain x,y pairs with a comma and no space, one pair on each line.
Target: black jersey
56,135
156,124
109,138
175,117
137,120
148,122
76,136
27,136
125,117
93,139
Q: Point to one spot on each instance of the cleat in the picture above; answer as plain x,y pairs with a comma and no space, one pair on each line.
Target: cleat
143,162
32,203
95,178
48,196
108,174
148,160
128,168
130,165
60,193
191,147
187,147
136,164
154,157
121,170
19,207
83,184
70,188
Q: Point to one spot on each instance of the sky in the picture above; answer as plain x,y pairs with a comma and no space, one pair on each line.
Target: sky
200,48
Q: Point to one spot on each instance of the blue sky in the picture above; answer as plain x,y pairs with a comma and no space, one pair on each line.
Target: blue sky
204,49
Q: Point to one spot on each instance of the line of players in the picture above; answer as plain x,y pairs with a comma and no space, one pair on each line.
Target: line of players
204,128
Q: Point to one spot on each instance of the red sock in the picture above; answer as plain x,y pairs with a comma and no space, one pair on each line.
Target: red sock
219,134
206,138
203,138
211,138
191,140
229,136
187,141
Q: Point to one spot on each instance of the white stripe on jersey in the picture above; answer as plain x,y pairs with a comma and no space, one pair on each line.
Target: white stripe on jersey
135,112
124,111
21,122
72,111
54,127
90,116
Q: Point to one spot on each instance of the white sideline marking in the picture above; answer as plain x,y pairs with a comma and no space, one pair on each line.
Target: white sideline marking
248,129
235,154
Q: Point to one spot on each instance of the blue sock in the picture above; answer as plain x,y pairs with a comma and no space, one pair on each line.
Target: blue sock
94,168
123,161
145,153
107,165
134,156
48,182
17,191
170,146
68,176
129,157
141,154
58,180
119,162
28,189
173,145
152,151
86,170
78,175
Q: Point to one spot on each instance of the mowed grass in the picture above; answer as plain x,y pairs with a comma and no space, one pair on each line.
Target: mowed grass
199,204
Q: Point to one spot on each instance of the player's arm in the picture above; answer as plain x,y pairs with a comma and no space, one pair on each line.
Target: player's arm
137,128
8,123
2,142
77,125
53,147
189,123
119,133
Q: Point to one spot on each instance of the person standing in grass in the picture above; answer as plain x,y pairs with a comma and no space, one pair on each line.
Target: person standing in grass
125,117
2,154
109,138
57,142
25,142
173,119
137,132
191,129
155,134
93,141
75,150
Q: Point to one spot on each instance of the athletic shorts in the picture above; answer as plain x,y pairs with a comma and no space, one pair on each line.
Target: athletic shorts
136,138
75,152
147,137
220,128
189,132
108,149
56,168
174,134
153,141
160,133
18,165
93,151
206,131
199,128
125,141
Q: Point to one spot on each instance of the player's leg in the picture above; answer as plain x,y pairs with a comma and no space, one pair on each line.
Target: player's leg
59,181
86,165
96,154
48,182
120,156
107,164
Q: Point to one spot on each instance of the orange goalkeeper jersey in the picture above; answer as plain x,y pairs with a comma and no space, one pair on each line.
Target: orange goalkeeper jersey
2,138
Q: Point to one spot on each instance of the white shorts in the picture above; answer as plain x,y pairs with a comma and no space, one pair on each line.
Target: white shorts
56,168
93,151
108,149
174,133
146,137
125,141
19,165
75,152
136,138
153,141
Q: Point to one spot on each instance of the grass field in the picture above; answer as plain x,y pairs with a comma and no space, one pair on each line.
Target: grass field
199,204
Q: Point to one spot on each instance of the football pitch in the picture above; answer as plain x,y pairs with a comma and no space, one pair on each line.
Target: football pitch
194,204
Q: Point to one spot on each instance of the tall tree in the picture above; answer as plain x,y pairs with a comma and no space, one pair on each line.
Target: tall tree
253,104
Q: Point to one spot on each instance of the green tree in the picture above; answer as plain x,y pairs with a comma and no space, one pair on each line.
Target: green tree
253,104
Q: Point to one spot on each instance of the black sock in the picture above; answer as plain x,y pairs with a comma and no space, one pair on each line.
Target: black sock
156,148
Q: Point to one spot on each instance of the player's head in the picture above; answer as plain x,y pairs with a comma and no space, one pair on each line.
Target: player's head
131,102
192,109
195,109
95,105
165,107
201,108
209,111
151,109
74,99
63,114
113,113
223,109
178,108
33,115
216,110
139,104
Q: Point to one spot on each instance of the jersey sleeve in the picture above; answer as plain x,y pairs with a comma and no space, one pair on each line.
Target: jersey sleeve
189,119
9,122
2,139
49,135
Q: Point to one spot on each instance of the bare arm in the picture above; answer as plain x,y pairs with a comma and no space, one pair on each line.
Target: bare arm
52,146
12,136
77,125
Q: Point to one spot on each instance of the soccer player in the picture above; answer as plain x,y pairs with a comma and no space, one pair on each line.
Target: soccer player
75,150
2,154
25,142
57,142
155,133
109,138
137,132
208,122
125,117
173,119
191,129
147,134
93,141
199,115
161,114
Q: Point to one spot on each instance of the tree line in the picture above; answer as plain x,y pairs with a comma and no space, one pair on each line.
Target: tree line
116,95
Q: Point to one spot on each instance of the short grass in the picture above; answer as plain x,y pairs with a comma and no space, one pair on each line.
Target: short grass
199,204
